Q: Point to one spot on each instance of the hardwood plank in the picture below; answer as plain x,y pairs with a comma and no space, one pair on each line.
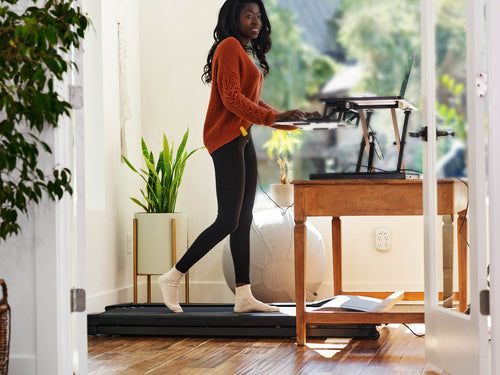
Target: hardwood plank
396,352
158,357
251,352
327,355
112,353
362,353
411,360
138,354
433,370
182,356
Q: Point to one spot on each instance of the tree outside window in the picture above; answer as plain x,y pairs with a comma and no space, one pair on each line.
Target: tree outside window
365,45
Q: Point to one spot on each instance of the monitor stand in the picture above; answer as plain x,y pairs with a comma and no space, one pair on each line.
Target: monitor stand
368,142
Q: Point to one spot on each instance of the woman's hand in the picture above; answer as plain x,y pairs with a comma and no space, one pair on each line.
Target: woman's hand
312,114
287,128
294,114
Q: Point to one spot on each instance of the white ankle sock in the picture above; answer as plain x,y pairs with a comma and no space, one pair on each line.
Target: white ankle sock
169,285
246,302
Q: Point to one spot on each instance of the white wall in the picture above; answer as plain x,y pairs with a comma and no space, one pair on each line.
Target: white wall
17,267
166,45
172,55
35,265
108,183
164,61
175,39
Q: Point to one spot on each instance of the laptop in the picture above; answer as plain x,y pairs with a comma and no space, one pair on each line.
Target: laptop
376,99
347,109
339,111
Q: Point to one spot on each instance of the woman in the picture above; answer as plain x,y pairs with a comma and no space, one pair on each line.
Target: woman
243,27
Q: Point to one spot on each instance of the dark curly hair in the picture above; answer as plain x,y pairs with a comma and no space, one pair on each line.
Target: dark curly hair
228,25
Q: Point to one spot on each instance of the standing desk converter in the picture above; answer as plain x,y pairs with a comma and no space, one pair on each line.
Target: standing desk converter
337,198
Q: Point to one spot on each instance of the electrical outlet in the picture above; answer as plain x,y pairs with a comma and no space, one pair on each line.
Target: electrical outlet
383,239
129,243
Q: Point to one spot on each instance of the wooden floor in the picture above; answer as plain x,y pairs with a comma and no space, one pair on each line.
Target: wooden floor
397,351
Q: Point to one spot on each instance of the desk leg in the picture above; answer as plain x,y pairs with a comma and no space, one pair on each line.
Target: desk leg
149,288
300,238
462,259
448,261
135,259
337,256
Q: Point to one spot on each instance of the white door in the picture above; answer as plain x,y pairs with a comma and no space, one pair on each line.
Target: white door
70,226
456,342
79,246
493,95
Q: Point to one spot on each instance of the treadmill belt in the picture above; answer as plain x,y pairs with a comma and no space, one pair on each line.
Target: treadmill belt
212,320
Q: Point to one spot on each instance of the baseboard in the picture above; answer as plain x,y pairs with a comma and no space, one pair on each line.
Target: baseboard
22,364
200,292
383,286
219,292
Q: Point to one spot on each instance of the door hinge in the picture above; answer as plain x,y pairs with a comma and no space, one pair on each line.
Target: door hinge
78,300
484,302
76,96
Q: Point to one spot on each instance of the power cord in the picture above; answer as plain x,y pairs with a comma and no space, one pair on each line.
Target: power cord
282,209
416,334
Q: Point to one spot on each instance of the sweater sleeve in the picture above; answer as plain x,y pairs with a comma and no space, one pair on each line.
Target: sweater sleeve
263,104
229,83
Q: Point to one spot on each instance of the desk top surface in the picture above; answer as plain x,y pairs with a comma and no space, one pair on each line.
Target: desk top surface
445,181
374,197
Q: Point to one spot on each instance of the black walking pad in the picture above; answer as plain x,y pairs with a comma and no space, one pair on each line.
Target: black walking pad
213,320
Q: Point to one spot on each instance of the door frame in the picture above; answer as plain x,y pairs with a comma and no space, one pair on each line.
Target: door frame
455,342
60,257
493,94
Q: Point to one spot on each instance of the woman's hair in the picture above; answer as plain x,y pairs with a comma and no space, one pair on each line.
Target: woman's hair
228,25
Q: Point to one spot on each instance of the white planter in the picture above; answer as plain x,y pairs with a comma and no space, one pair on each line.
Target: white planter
282,194
155,239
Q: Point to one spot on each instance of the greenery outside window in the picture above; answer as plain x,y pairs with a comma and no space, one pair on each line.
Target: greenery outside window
348,47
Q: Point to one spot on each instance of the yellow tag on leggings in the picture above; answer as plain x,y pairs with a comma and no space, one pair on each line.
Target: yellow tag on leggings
243,131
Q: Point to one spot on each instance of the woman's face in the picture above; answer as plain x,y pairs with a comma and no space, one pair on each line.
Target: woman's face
250,22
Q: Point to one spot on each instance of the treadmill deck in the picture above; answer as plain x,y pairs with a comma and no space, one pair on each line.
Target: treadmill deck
212,320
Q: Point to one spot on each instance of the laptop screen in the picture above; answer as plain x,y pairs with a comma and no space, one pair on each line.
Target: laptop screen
406,77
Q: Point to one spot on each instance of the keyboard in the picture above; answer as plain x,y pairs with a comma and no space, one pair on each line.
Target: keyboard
313,123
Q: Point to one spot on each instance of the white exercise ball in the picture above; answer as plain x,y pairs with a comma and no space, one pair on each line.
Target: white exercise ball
272,273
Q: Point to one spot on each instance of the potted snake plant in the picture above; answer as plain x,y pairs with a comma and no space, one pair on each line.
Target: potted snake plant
281,143
162,178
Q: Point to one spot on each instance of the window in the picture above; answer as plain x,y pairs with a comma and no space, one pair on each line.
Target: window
348,47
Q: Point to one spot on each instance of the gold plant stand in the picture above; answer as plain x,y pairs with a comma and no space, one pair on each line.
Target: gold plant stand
174,260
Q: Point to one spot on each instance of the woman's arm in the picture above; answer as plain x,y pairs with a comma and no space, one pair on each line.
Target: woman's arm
240,105
227,62
228,80
267,106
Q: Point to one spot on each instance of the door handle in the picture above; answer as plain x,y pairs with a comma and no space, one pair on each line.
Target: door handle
422,133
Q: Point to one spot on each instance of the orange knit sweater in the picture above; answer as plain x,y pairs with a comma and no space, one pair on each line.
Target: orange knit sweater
235,96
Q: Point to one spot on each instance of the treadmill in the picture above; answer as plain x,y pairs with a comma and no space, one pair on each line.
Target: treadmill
215,320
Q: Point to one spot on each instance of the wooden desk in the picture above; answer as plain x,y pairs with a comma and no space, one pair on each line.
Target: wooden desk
337,198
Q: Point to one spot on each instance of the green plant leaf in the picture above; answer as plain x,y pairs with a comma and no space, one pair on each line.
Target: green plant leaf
136,201
163,178
35,41
129,164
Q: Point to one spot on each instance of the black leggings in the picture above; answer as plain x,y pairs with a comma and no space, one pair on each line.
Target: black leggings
236,181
